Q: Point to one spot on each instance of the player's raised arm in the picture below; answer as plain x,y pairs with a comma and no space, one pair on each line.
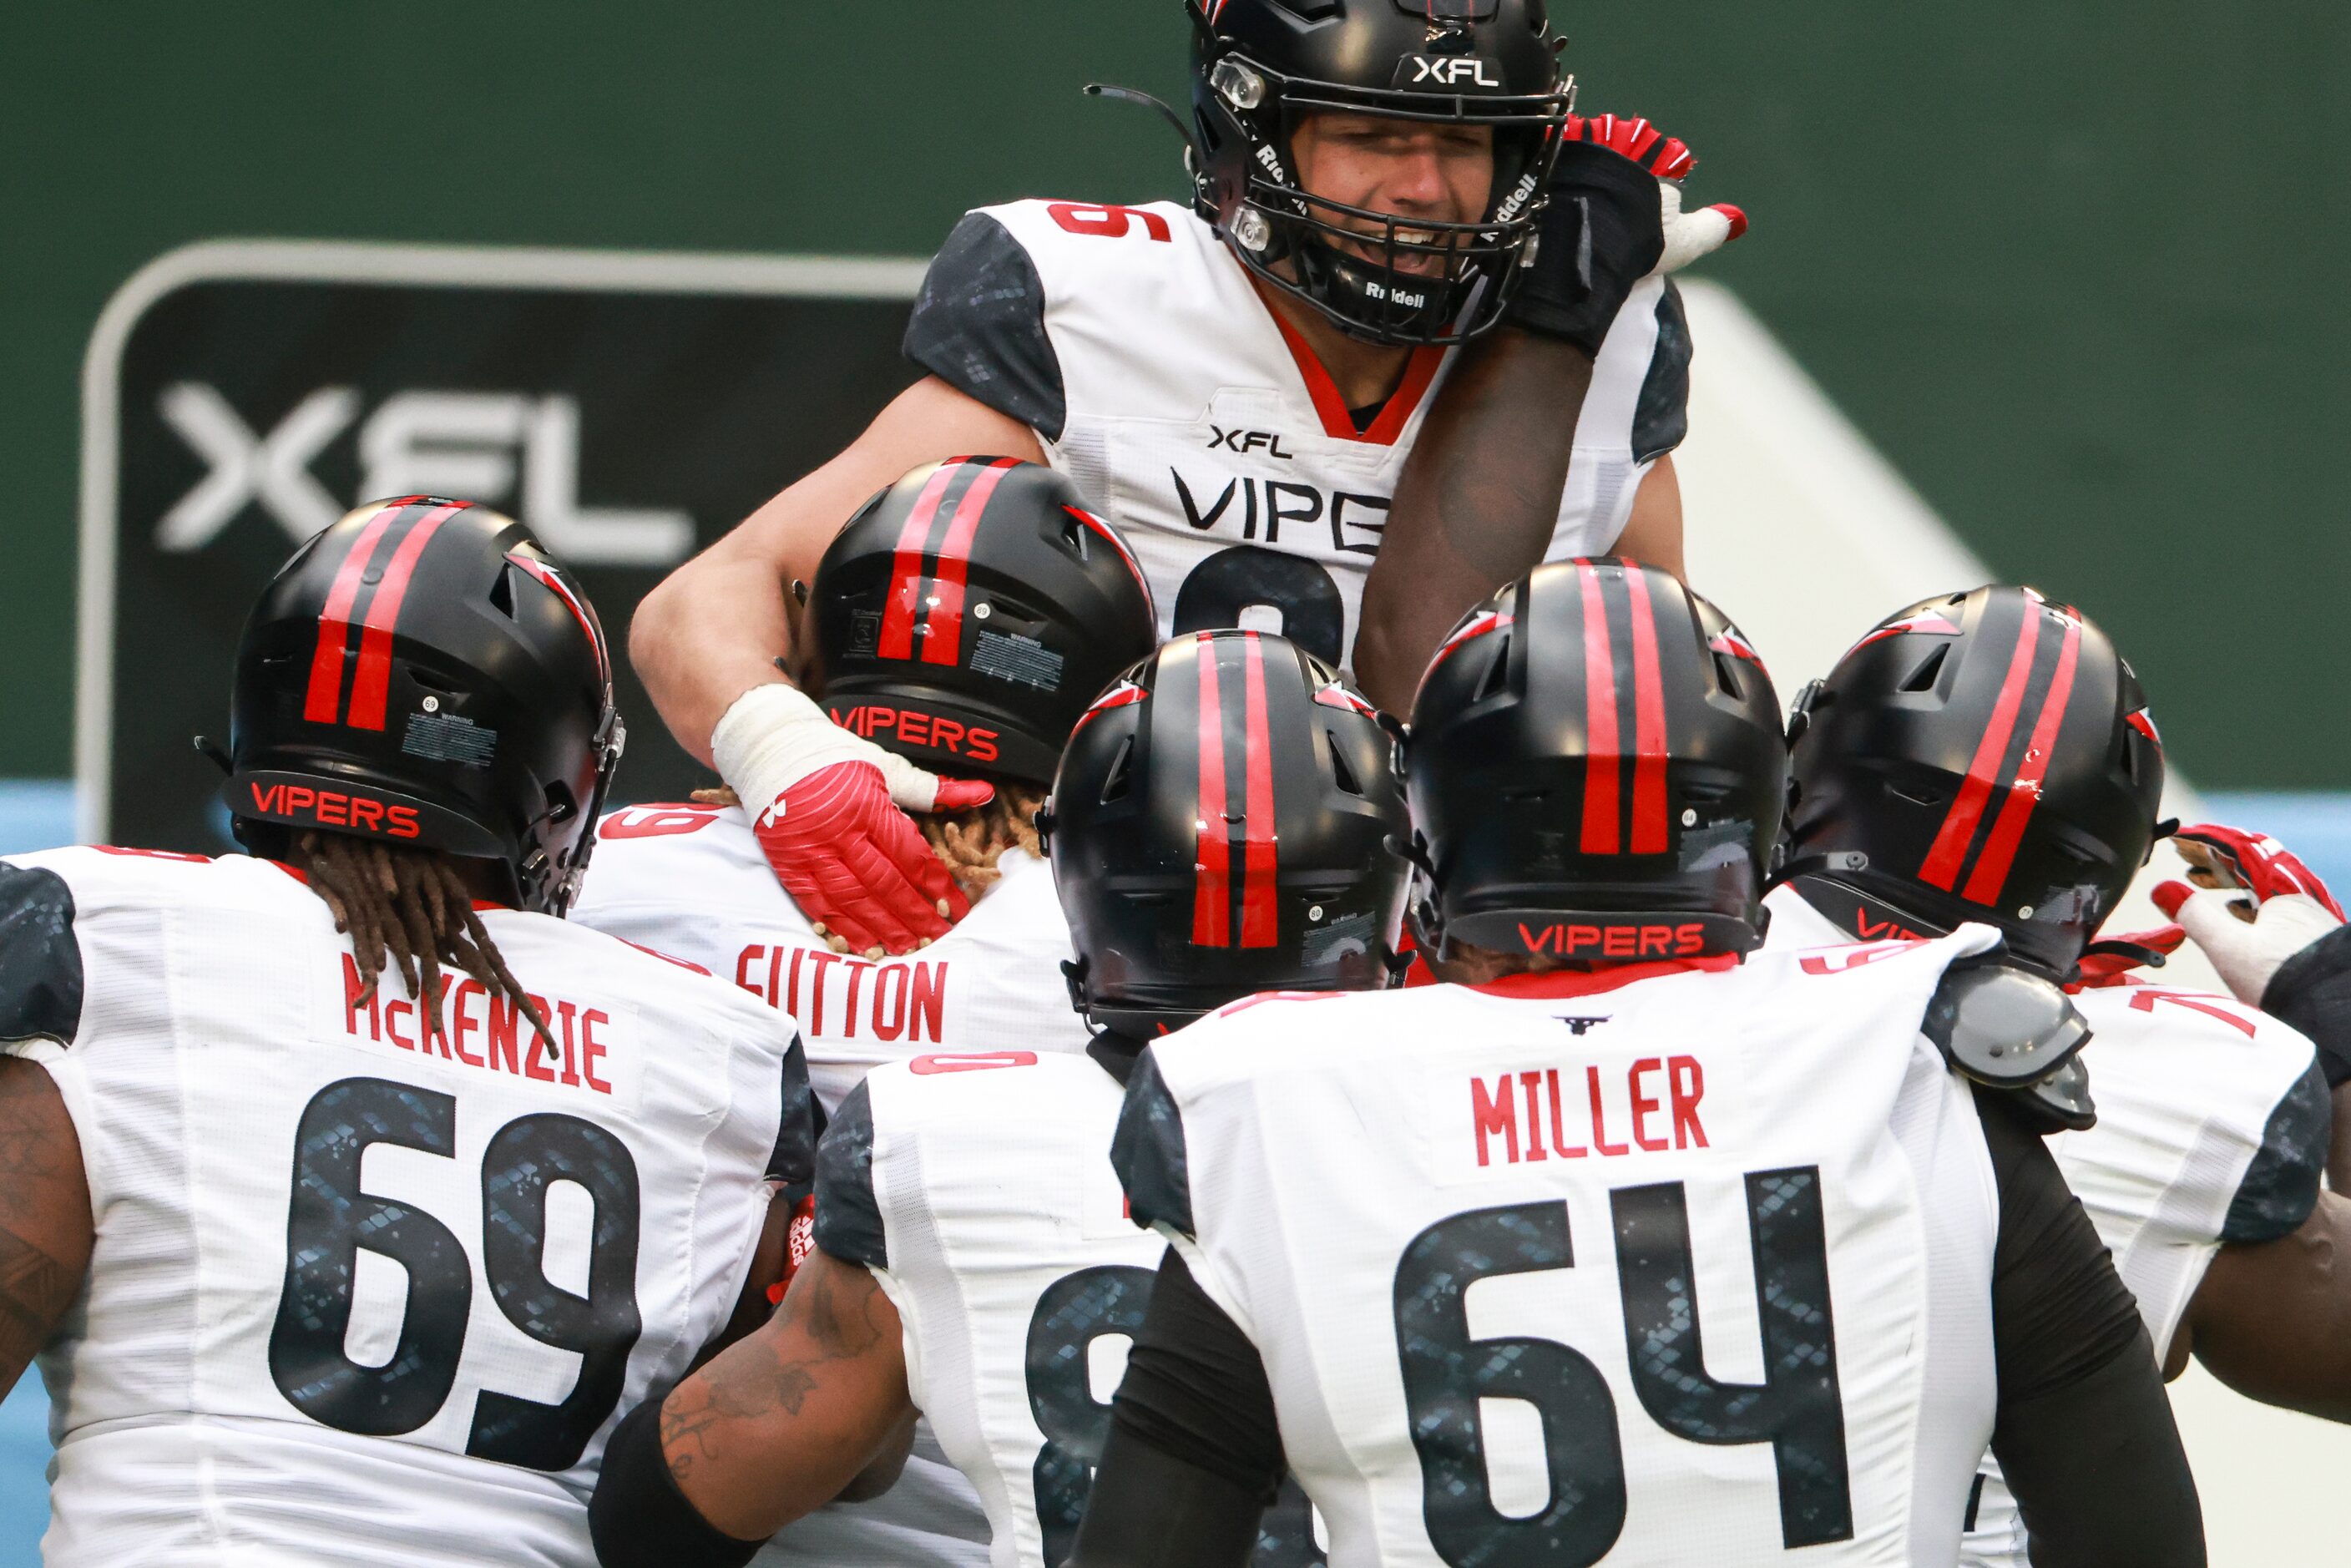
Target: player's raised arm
1478,503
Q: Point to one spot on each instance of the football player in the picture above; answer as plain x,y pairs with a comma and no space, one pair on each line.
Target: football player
1988,757
1626,1241
1238,380
351,1188
979,656
1221,824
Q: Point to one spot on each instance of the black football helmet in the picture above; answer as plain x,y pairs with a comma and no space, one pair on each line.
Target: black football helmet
1596,770
422,673
967,616
1984,755
1223,823
1258,65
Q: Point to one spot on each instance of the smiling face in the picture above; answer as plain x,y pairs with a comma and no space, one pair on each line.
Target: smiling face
1439,172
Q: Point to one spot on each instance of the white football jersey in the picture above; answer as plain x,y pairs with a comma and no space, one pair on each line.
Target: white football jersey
1156,376
2212,1128
692,882
978,1188
367,1287
1680,1264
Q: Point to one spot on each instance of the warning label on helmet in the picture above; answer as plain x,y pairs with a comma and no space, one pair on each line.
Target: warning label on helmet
1015,658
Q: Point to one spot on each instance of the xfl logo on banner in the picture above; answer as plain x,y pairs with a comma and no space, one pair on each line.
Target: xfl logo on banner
506,449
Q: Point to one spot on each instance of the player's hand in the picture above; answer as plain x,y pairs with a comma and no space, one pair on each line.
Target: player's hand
826,805
2255,905
1689,235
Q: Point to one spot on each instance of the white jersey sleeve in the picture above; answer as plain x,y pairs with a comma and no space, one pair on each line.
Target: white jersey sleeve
351,1253
691,882
1659,1268
1157,377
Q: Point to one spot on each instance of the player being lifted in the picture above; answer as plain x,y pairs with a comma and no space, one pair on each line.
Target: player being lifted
1237,382
1541,1184
1221,824
979,656
2202,1171
351,1190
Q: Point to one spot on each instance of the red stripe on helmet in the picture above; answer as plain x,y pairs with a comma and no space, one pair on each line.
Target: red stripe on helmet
371,682
325,697
904,606
1650,834
1260,853
1123,694
943,635
2143,722
1212,872
1950,847
2008,828
1602,761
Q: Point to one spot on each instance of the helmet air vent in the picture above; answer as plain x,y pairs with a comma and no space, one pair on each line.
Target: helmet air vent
1340,767
1120,777
1923,678
1725,671
502,598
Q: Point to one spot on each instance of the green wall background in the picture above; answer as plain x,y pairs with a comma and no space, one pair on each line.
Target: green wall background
2072,265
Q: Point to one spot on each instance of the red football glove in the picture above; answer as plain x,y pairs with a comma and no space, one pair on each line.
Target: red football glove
800,1240
1689,236
826,806
2256,904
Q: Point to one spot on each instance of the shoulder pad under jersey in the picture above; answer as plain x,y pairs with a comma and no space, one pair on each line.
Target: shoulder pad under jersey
2002,1027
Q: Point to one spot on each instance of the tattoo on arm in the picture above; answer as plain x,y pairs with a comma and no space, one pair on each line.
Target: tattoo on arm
45,1232
835,1312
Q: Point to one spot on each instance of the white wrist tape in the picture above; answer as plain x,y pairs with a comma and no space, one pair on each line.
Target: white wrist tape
775,736
2248,953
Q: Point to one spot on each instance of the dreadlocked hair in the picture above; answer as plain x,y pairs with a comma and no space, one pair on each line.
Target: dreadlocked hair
411,907
968,844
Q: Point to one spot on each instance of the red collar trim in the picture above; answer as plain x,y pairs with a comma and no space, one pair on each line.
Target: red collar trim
479,905
1331,408
1553,984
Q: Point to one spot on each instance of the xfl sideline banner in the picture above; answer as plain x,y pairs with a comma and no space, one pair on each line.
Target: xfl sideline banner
239,397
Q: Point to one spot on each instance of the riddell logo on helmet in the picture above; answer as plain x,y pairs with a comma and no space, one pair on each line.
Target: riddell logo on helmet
969,742
332,808
1686,941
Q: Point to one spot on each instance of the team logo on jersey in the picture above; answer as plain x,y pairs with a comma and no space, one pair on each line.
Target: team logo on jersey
2039,680
1232,673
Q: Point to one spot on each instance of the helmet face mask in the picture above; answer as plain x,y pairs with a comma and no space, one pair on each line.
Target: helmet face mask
1223,822
1983,757
423,675
1260,66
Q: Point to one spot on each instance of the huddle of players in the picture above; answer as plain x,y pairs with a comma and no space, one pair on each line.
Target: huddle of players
1616,1089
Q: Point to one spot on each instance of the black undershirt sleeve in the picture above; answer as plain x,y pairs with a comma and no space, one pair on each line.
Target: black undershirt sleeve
1194,1453
2312,991
2085,1435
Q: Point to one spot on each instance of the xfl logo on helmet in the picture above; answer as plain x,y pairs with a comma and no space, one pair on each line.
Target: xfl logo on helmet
1445,70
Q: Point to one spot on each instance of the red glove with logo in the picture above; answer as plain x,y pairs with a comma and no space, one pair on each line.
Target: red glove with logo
826,806
800,1240
1689,236
2255,905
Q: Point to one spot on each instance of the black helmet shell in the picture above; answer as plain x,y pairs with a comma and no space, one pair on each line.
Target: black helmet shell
1985,755
1226,820
1595,768
970,612
422,673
